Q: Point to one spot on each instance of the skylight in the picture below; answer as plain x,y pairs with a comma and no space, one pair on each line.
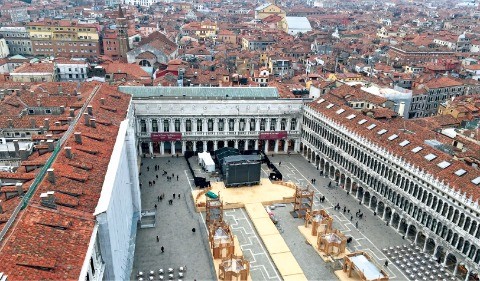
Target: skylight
382,131
392,137
417,149
460,172
476,180
341,110
371,126
444,164
404,143
320,100
330,105
351,116
430,156
362,121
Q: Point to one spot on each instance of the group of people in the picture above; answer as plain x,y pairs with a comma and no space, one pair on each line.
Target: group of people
313,181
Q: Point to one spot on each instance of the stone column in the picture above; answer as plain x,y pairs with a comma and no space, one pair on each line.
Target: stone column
172,125
247,124
425,245
266,146
236,125
150,147
257,124
194,125
276,146
236,144
289,122
204,146
215,145
455,269
297,145
246,145
184,147
172,144
444,262
278,126
267,124
256,144
285,146
162,148
140,148
194,146
182,125
215,124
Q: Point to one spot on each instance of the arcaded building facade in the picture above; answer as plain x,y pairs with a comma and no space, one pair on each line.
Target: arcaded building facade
420,191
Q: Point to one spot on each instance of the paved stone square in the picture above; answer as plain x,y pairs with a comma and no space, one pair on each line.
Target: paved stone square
182,247
174,224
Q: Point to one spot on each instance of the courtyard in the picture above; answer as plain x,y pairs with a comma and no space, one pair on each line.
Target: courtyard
184,248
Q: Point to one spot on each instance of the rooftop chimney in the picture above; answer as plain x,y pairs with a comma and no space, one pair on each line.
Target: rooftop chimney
58,124
78,137
93,123
90,110
46,124
17,146
62,109
87,118
72,112
51,175
68,152
39,102
49,136
33,123
48,199
1,207
10,123
42,130
102,101
19,187
51,145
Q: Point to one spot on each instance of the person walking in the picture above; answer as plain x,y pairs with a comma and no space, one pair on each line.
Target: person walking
158,239
174,196
179,196
163,249
155,206
177,177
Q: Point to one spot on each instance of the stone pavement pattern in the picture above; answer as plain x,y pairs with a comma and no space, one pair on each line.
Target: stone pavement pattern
174,224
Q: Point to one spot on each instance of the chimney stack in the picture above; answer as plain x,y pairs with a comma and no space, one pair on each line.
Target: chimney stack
19,187
33,123
51,175
39,102
78,137
62,109
41,130
90,110
102,101
49,136
17,146
58,124
87,118
93,124
51,145
46,124
32,92
48,199
68,152
1,207
72,112
10,123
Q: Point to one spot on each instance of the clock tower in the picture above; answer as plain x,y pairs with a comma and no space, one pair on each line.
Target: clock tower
122,34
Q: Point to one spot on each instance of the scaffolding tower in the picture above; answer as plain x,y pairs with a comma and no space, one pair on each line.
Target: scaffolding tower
214,210
303,201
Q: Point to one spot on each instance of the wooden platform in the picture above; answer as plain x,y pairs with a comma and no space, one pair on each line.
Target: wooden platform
237,251
266,193
307,233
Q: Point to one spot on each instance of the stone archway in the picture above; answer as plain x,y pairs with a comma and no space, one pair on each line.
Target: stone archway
451,262
231,143
421,240
210,146
411,233
241,145
317,161
373,203
388,214
360,193
189,146
366,198
381,209
403,226
395,220
439,254
144,63
199,146
430,246
220,144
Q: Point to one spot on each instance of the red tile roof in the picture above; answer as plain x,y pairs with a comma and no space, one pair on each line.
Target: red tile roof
48,244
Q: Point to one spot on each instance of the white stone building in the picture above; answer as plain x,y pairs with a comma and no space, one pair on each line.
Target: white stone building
175,120
4,52
72,70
